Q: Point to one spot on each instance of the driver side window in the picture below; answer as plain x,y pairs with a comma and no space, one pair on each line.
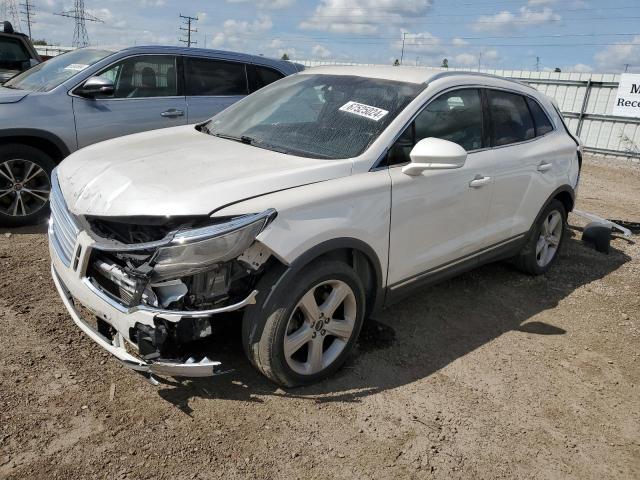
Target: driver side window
455,116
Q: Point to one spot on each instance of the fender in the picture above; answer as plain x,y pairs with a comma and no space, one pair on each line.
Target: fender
563,189
38,134
330,246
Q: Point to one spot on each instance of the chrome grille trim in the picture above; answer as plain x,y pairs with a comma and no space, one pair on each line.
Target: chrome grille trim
63,230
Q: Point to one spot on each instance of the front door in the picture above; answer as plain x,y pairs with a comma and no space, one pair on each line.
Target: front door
146,98
439,217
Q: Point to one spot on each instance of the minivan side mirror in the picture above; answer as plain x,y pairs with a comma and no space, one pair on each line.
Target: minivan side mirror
96,87
435,154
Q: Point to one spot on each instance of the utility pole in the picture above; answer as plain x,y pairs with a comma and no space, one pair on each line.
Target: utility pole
79,14
479,60
187,21
537,64
404,35
626,67
28,12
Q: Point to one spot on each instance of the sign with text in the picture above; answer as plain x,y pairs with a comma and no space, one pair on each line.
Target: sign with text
628,99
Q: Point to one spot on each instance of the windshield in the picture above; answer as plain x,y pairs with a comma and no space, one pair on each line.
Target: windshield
316,116
48,75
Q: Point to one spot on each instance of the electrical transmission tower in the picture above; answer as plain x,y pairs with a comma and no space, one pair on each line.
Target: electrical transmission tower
187,28
10,12
29,13
79,14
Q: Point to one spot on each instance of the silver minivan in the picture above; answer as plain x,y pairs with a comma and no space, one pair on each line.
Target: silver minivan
91,94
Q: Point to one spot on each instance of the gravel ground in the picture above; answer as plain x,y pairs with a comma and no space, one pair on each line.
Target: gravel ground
490,375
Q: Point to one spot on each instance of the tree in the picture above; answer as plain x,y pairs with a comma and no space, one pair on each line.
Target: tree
396,63
40,42
557,70
445,63
285,56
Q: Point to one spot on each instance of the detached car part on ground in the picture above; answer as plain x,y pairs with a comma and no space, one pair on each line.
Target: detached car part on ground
306,206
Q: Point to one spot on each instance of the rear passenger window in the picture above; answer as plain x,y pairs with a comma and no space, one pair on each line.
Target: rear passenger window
542,123
214,77
512,122
261,77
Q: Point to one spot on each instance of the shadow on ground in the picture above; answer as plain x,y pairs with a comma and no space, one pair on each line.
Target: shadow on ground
415,338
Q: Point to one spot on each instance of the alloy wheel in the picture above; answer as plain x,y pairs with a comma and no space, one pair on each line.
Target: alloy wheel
320,327
24,188
549,240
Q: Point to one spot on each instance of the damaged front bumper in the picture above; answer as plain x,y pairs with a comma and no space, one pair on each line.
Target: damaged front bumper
122,319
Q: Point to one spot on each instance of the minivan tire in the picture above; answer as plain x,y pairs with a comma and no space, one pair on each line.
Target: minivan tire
17,159
533,259
267,325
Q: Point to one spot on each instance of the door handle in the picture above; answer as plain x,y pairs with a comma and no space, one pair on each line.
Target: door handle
479,181
172,113
544,167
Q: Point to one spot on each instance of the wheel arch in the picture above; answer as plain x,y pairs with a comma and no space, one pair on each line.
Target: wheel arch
49,143
357,254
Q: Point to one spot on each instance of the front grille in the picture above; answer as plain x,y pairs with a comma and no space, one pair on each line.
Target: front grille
63,229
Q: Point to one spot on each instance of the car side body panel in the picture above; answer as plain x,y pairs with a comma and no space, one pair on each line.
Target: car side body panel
356,207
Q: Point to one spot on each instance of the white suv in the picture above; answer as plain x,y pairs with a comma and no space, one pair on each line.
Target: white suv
307,206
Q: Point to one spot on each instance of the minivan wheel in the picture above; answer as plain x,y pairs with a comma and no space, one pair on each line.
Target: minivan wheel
25,185
546,238
308,325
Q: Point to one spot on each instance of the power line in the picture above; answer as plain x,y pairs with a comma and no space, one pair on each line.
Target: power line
187,21
79,14
28,12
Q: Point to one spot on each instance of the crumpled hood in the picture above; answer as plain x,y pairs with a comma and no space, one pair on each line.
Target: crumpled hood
9,95
180,171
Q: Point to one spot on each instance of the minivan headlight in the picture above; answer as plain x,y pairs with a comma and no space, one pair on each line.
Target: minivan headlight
197,250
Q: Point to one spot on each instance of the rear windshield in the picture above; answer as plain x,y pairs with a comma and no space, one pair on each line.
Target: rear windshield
13,54
48,75
316,116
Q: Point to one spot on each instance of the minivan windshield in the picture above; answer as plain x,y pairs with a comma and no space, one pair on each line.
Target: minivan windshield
315,116
48,75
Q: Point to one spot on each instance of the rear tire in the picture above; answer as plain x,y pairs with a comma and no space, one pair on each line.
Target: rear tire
25,185
545,241
302,329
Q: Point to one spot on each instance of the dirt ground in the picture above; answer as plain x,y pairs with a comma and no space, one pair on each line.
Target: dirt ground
490,375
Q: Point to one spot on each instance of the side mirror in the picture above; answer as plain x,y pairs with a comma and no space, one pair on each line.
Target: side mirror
96,87
435,154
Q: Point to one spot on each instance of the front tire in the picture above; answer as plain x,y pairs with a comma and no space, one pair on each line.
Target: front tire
547,236
305,330
25,185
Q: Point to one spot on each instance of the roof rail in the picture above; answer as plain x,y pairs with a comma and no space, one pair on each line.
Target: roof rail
479,74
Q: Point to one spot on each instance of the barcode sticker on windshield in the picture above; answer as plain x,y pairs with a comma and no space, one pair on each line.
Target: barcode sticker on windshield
76,67
367,111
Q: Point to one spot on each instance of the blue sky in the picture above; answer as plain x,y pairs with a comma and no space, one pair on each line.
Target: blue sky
575,35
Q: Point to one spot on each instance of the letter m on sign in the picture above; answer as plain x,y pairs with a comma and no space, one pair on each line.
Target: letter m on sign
635,88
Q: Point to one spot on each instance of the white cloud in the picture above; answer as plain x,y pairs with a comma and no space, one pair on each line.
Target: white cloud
270,4
423,42
506,20
614,57
459,42
233,31
579,67
363,16
465,60
321,51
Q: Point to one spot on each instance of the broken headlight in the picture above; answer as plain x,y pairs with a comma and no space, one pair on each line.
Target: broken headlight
197,250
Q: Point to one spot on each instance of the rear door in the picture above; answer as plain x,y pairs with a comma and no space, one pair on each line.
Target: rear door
146,98
212,85
527,170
